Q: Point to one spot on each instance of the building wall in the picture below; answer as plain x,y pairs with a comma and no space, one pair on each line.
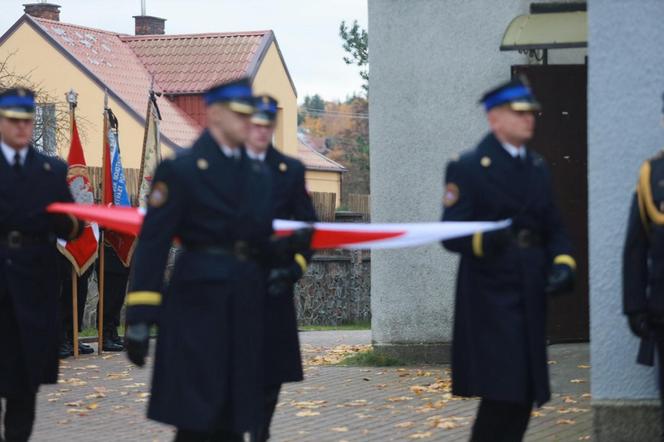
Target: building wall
625,85
322,181
272,79
430,62
29,54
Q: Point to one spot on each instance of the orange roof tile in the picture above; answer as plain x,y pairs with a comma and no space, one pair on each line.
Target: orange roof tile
313,160
186,64
114,66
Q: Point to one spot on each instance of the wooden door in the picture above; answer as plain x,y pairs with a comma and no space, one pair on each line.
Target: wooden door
561,137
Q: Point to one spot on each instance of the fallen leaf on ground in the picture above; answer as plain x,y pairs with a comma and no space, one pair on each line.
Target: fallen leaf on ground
569,400
537,414
93,406
307,413
565,422
420,435
73,404
308,404
552,362
400,399
407,424
339,429
356,403
578,381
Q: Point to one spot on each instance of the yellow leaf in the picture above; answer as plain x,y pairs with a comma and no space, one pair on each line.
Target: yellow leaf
407,424
307,413
537,414
74,404
421,435
339,429
93,406
585,367
400,399
565,422
447,425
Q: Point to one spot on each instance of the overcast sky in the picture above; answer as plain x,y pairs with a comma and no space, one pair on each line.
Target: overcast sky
307,30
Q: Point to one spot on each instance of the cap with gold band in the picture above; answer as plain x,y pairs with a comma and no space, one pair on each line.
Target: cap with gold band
265,110
17,103
516,94
237,95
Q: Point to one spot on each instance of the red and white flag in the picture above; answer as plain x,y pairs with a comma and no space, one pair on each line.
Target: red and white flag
326,235
82,251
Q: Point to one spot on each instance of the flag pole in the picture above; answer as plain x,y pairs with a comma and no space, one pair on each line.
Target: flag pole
102,251
72,100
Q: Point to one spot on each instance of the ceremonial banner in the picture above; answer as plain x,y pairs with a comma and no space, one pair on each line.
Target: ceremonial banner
151,151
115,189
82,251
326,235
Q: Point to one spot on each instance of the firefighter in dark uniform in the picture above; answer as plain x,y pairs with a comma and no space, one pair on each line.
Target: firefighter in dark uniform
643,265
29,283
291,201
499,342
208,373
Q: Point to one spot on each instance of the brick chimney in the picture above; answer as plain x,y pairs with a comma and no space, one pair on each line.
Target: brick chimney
48,11
148,25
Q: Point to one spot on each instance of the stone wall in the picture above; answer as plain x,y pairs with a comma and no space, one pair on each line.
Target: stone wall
335,289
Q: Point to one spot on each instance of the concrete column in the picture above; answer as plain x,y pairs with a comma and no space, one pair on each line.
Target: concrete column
625,84
430,62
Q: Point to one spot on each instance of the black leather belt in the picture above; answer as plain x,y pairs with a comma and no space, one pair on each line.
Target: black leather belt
16,240
525,238
239,249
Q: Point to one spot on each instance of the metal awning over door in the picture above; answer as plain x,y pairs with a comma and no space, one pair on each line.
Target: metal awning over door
547,31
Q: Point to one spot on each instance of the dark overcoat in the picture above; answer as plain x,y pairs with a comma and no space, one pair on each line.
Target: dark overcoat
29,280
283,362
208,367
499,342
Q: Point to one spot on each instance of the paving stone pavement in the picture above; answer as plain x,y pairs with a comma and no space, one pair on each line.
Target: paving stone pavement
104,399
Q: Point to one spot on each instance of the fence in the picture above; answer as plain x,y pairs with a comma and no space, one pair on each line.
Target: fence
131,178
360,203
325,204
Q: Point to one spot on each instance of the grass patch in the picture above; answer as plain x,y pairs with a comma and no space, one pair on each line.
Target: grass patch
371,359
363,325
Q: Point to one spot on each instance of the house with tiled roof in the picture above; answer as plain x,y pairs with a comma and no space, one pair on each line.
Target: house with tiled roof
323,174
98,63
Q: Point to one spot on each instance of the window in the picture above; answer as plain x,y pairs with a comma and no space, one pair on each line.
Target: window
44,138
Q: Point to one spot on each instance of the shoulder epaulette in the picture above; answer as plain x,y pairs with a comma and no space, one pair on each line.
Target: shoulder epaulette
647,209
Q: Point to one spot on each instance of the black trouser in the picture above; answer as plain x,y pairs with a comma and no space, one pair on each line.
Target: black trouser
115,289
660,368
217,436
19,417
499,421
270,399
66,310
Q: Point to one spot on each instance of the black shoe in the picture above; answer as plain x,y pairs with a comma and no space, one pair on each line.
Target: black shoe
85,349
65,350
111,345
